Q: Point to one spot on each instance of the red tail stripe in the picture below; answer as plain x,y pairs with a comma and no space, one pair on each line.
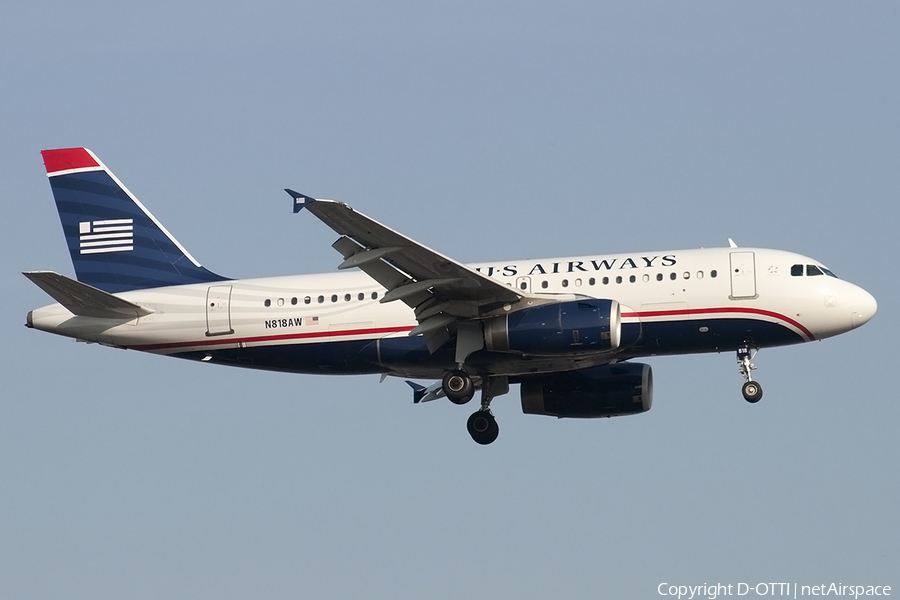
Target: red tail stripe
65,159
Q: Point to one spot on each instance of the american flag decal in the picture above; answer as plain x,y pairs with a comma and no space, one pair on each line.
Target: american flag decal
112,235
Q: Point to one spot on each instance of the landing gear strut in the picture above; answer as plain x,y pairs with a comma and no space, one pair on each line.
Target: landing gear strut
482,425
751,390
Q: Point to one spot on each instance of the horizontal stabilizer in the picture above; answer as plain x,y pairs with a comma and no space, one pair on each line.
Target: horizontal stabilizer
425,394
418,391
83,300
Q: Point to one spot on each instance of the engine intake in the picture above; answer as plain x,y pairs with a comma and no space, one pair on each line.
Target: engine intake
607,391
578,325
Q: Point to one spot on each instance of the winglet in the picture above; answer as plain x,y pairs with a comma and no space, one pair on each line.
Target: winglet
418,391
300,200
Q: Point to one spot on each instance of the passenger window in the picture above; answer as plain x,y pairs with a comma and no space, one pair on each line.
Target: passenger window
605,280
523,285
659,277
632,279
673,276
813,270
321,299
544,284
361,296
577,283
374,295
713,273
294,301
565,283
797,270
619,279
592,281
307,300
646,278
687,275
268,303
334,297
281,302
699,274
347,297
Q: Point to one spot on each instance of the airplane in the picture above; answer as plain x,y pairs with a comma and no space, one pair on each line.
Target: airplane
567,330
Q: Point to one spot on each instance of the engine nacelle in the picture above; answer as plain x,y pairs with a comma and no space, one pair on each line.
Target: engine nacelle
574,326
607,391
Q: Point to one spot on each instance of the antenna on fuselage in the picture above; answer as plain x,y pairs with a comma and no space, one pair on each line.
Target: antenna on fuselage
731,243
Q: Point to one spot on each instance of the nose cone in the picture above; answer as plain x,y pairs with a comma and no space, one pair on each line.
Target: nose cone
863,307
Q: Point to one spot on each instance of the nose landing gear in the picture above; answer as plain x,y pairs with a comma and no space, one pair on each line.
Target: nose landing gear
751,390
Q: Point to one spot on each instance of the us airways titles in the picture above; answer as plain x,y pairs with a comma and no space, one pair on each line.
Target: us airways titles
584,266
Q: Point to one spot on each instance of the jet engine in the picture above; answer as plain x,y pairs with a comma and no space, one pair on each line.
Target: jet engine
606,391
565,327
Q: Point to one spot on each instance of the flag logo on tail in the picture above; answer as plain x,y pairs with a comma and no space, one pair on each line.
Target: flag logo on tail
111,235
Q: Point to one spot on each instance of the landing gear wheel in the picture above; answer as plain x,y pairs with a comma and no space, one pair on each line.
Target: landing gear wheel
483,427
752,391
458,386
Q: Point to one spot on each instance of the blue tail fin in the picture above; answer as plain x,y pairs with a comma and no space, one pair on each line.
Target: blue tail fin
115,243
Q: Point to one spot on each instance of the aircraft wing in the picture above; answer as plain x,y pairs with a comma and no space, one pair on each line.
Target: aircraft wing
440,289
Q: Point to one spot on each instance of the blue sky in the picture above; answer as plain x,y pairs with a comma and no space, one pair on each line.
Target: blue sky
488,131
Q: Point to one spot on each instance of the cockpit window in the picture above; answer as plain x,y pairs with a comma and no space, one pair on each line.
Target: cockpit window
810,271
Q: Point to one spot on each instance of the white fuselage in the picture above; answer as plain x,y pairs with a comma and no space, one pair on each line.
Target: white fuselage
707,298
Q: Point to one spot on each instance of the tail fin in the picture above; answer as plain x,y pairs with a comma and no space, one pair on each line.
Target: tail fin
115,243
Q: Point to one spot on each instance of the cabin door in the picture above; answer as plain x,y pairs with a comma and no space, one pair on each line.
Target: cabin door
743,275
218,310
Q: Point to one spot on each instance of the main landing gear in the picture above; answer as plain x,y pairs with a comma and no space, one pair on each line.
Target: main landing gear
460,389
483,426
458,386
751,390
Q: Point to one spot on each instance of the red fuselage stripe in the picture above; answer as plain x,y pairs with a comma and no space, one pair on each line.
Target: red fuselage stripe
717,311
217,341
